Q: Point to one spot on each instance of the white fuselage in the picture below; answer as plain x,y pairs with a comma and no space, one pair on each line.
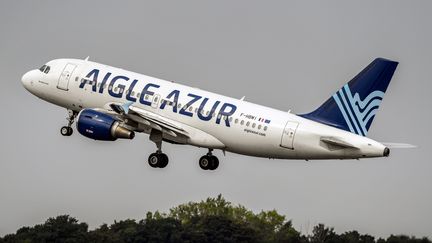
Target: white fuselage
251,129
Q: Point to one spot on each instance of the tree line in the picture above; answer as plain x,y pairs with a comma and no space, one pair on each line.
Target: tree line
212,220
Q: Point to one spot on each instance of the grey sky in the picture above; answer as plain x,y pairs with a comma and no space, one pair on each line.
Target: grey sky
283,54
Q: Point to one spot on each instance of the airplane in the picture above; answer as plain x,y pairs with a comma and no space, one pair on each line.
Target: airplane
109,103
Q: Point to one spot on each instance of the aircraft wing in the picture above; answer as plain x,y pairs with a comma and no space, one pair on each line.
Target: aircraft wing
150,119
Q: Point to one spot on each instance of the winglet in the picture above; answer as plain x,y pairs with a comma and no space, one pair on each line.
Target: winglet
126,106
121,109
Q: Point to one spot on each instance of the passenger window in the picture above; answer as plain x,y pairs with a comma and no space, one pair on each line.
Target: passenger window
265,128
236,120
138,95
179,106
132,93
242,122
253,125
115,89
190,108
259,127
247,124
230,119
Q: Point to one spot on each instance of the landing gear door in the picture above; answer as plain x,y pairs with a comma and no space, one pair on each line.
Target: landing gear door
287,140
65,76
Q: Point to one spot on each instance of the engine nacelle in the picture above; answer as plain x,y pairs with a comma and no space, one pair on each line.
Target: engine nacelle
100,126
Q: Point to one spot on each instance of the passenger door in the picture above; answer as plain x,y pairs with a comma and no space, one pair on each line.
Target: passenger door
63,82
287,140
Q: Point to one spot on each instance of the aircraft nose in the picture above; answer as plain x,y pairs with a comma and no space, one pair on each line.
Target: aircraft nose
28,78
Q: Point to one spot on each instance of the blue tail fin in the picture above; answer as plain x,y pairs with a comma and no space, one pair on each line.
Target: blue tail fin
353,107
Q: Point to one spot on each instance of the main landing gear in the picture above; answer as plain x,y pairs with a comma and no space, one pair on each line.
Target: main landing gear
67,130
209,161
158,159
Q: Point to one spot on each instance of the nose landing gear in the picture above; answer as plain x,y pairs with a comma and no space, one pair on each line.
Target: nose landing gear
67,130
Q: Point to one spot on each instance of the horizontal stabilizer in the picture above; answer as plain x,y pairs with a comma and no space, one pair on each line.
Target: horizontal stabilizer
399,145
337,141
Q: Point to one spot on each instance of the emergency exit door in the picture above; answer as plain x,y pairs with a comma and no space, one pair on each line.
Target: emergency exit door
287,140
65,76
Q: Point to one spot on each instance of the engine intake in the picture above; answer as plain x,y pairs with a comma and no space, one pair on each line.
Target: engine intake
100,126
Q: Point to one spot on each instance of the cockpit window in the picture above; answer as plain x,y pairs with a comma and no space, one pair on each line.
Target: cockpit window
44,69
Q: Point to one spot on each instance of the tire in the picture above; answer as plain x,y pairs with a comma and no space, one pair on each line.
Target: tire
64,131
214,162
163,160
70,131
204,162
154,160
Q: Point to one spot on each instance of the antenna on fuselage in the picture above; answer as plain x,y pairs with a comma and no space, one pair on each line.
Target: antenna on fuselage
242,98
87,58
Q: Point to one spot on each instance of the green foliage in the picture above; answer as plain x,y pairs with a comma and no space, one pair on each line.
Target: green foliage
60,229
212,220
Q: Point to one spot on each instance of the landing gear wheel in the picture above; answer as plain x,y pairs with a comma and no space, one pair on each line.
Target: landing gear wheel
158,160
66,131
207,162
214,162
164,160
153,160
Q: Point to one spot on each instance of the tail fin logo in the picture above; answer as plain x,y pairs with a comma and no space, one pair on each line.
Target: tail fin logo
356,112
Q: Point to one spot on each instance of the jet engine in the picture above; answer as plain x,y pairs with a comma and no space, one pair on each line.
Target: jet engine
100,126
